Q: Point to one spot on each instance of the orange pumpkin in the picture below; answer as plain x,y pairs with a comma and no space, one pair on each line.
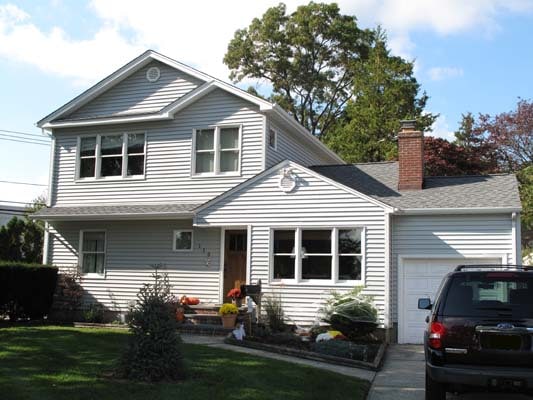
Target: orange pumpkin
192,301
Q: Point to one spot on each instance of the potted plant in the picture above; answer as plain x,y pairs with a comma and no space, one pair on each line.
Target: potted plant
228,312
236,297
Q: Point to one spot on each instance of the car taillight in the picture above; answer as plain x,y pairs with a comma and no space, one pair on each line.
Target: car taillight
436,333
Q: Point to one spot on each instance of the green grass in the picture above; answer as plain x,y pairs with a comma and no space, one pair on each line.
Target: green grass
67,363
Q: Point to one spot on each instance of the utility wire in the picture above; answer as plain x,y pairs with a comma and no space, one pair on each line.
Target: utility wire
24,183
23,138
24,133
22,141
30,203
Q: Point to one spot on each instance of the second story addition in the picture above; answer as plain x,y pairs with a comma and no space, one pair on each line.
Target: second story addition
158,131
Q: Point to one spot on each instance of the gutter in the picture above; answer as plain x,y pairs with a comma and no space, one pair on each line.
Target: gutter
464,210
112,217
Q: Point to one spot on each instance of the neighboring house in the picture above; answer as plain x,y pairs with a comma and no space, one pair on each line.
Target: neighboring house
7,212
160,163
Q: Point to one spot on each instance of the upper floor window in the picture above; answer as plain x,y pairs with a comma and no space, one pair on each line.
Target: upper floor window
217,150
317,254
121,155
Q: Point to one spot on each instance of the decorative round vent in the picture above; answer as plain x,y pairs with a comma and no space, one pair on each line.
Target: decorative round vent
153,74
287,181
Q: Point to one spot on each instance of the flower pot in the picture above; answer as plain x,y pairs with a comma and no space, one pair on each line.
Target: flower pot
228,320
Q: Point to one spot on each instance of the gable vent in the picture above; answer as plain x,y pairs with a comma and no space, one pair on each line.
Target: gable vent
153,74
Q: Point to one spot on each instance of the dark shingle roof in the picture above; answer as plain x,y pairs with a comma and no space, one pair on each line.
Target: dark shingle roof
127,210
380,181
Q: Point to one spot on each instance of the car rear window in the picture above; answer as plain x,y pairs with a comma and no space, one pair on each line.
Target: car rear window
490,294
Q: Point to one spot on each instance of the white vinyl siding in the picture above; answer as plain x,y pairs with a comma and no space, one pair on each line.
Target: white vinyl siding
131,248
313,203
291,146
136,95
449,236
168,157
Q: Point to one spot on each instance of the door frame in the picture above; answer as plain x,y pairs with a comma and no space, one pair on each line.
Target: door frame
223,229
400,276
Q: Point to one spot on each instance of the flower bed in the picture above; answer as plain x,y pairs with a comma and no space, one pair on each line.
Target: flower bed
360,355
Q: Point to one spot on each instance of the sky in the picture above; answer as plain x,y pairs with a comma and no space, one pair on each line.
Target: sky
474,55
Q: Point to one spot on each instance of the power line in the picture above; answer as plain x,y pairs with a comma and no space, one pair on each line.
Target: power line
22,141
23,138
24,183
24,133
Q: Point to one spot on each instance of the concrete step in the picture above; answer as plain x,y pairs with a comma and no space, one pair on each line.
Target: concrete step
204,329
205,319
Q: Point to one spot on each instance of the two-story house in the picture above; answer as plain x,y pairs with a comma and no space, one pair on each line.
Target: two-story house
161,163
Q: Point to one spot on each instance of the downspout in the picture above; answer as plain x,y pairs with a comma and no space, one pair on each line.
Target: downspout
387,297
516,238
46,239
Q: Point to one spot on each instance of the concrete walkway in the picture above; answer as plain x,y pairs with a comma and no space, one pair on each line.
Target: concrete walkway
403,378
218,342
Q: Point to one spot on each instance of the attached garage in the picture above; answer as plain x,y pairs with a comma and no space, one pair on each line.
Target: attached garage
421,277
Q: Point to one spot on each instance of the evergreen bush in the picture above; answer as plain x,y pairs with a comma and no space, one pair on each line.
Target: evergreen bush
154,351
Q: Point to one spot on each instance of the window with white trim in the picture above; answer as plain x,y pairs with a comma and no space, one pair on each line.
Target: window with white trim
114,155
217,150
272,138
92,252
317,254
182,240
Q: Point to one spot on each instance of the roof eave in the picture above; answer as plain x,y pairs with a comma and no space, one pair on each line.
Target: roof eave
113,217
462,210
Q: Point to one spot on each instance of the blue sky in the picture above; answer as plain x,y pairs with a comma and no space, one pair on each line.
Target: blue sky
469,56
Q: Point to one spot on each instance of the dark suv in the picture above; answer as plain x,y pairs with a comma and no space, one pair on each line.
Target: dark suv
480,331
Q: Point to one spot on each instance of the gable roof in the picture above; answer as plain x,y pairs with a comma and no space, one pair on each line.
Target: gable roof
292,164
453,193
54,119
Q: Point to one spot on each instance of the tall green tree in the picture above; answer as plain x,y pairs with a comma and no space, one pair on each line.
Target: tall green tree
21,239
307,56
385,91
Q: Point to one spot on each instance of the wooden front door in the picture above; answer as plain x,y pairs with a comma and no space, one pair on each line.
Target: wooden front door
234,261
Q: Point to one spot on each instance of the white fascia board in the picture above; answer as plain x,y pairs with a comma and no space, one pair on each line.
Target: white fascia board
304,133
463,210
107,121
292,164
114,217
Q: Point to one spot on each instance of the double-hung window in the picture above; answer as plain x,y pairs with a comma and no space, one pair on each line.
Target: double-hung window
92,252
217,150
115,155
317,254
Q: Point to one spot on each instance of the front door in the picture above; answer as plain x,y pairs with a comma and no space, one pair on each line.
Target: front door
234,260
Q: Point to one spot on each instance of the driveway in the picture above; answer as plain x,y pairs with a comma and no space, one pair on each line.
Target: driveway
402,378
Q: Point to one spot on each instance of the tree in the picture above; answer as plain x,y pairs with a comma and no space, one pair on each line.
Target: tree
525,178
154,350
21,239
307,56
385,91
512,133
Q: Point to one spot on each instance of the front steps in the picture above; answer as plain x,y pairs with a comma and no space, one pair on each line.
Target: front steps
203,319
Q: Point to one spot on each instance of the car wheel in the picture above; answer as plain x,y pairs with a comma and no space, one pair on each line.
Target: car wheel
434,390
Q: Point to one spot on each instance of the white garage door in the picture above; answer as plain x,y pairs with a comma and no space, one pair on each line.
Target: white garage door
421,278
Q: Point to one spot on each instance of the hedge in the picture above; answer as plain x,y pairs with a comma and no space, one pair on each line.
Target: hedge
26,290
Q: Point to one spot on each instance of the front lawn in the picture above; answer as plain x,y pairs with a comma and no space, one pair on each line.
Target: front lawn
68,363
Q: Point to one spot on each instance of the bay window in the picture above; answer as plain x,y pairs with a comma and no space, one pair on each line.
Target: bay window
113,155
216,150
317,254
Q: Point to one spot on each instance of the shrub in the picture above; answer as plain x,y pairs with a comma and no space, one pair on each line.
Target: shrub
69,292
345,349
154,350
26,290
351,313
94,313
274,313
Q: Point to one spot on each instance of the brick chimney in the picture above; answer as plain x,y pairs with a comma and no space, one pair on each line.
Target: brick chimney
410,157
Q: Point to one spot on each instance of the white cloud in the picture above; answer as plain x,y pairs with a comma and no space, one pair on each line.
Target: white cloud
198,32
441,73
441,128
